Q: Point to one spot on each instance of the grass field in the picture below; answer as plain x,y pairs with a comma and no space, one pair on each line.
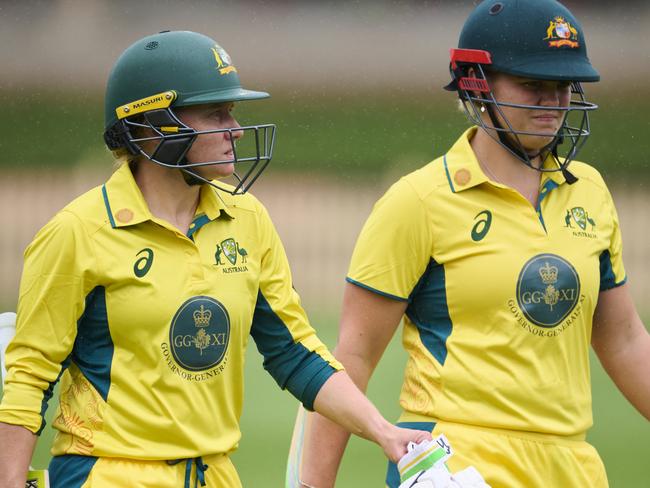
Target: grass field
621,435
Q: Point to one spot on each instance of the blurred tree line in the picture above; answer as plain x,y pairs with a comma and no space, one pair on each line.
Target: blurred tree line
355,136
356,85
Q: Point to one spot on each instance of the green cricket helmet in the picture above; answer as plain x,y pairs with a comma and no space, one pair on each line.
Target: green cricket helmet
536,39
171,69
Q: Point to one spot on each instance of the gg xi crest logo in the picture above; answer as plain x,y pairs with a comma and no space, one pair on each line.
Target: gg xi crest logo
199,333
548,290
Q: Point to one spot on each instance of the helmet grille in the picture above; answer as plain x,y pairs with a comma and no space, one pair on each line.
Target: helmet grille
151,45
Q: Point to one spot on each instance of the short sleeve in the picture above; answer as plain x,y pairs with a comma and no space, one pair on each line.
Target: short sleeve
612,271
395,245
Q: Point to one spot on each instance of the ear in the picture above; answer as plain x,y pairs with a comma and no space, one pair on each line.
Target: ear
472,72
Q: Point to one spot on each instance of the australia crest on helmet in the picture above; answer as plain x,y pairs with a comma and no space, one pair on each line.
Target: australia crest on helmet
561,33
224,63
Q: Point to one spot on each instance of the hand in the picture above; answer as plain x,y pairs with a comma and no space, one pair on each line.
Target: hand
396,439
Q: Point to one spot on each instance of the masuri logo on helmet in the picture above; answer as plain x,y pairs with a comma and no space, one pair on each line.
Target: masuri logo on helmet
171,69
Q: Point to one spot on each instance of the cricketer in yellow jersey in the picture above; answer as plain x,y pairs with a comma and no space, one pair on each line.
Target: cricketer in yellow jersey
494,288
134,280
460,238
503,257
141,294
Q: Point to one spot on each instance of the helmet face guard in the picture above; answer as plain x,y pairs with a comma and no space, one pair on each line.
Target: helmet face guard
253,150
476,96
537,40
159,73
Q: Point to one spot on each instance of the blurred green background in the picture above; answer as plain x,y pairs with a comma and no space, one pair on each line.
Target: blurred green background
350,136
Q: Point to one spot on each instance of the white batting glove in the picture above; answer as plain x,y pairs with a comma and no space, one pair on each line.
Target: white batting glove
434,477
470,477
423,456
424,466
440,477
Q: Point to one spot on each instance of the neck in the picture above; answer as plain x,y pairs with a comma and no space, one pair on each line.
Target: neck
501,165
167,194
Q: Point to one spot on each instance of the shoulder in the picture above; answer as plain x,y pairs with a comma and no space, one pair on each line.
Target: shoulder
67,236
249,213
588,174
591,185
415,190
245,203
82,216
408,204
423,182
428,180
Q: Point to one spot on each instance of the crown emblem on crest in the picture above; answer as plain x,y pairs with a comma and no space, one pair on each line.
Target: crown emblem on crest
548,273
202,317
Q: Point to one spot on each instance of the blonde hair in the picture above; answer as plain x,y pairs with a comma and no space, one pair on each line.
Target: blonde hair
123,156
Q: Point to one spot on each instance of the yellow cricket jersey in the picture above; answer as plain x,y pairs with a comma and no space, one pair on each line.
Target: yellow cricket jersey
500,295
147,327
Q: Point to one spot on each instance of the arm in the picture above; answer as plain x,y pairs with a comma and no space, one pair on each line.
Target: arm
14,462
301,363
341,401
622,344
51,300
368,321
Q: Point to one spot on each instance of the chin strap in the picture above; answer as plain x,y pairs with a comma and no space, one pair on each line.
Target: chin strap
568,176
190,177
